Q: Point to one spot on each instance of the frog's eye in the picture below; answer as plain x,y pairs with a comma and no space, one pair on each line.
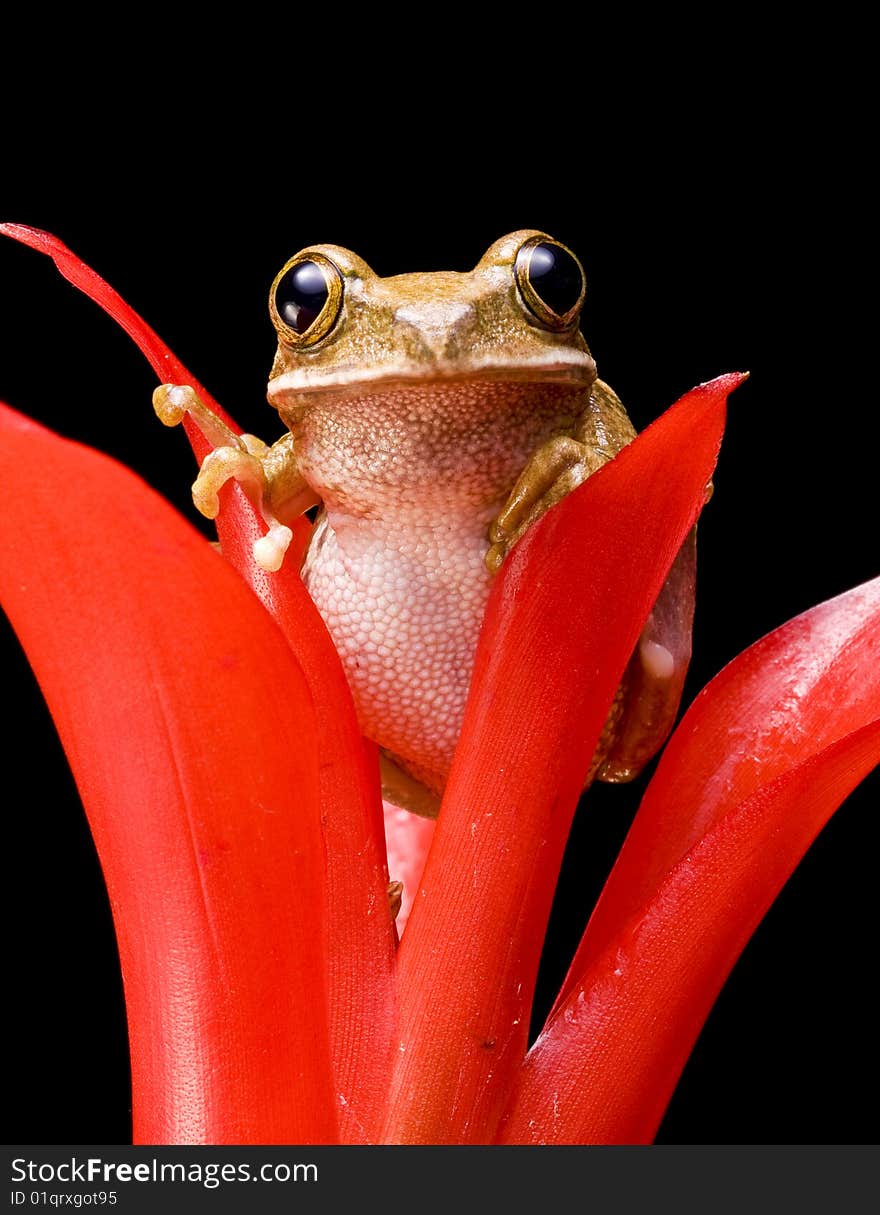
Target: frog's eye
306,299
550,280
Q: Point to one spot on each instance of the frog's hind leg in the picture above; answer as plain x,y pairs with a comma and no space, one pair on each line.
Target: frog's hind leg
654,679
403,790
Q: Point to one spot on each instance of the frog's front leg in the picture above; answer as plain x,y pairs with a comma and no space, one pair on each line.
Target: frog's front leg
559,466
268,475
556,468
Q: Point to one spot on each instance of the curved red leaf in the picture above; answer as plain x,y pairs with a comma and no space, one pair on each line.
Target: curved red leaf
561,623
191,733
604,1069
759,763
794,692
361,940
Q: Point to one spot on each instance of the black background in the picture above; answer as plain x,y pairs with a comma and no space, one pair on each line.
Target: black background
723,223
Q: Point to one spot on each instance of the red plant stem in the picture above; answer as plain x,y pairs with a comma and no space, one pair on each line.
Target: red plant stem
561,623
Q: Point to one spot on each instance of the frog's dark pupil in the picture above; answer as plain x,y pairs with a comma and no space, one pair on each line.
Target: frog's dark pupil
555,277
301,295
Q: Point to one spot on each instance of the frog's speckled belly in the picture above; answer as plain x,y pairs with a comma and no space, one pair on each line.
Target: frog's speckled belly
411,478
404,608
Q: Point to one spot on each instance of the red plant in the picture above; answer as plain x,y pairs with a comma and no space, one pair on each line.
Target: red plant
236,812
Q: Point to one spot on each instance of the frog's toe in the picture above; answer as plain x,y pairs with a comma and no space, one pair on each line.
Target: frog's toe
495,556
395,898
227,464
172,402
269,551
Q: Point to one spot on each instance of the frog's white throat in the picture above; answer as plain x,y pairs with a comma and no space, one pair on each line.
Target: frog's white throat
428,448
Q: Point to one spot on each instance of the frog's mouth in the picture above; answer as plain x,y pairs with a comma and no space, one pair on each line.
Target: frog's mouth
293,389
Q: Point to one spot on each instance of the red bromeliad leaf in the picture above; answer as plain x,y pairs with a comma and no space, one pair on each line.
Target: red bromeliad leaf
361,938
361,943
191,733
790,695
561,623
759,763
606,1066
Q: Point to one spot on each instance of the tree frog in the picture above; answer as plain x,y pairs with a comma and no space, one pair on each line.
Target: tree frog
433,418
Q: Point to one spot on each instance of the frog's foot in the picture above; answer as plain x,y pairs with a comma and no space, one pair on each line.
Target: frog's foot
395,898
654,679
404,790
245,465
266,474
556,468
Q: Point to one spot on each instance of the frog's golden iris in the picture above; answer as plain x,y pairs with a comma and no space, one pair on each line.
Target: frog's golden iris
306,299
551,281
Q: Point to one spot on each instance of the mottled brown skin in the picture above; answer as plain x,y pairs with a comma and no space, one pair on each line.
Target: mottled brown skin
434,417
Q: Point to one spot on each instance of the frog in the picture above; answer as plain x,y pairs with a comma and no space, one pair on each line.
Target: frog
431,419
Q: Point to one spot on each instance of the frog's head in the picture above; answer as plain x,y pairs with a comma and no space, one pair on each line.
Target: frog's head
343,330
